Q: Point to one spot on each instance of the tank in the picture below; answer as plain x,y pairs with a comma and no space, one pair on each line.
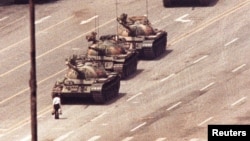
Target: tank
113,53
138,31
87,79
168,3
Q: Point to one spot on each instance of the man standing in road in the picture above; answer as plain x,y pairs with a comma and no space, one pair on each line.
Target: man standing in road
56,103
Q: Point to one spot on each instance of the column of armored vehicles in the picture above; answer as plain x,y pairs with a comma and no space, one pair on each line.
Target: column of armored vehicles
110,59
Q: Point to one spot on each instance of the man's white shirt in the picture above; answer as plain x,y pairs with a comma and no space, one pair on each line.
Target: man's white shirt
56,100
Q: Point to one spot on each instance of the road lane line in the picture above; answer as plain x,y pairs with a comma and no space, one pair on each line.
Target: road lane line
209,85
209,22
89,20
166,16
157,21
4,18
238,68
140,93
172,107
101,115
42,31
63,137
210,118
161,139
166,78
28,138
139,126
181,19
200,59
27,121
94,138
42,19
26,89
239,101
229,43
12,23
128,139
55,48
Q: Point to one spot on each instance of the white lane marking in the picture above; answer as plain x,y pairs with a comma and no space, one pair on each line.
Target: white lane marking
238,68
27,121
101,115
210,118
198,60
75,48
12,22
139,126
42,31
181,19
209,85
161,139
4,18
166,16
229,43
238,101
172,107
26,89
94,138
89,20
61,138
42,19
26,138
140,93
197,139
128,139
105,124
55,48
157,21
166,78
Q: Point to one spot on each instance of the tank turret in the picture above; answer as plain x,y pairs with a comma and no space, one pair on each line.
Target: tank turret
106,46
113,53
138,32
78,68
87,79
135,26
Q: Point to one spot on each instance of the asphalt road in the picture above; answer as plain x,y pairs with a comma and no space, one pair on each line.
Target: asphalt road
203,78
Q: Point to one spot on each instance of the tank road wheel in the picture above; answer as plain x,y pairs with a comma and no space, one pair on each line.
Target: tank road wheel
149,53
204,2
97,94
167,3
125,71
107,92
129,67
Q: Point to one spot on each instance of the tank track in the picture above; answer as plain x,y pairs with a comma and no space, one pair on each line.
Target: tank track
129,67
107,91
154,48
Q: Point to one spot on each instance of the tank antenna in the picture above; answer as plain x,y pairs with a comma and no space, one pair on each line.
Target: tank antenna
147,7
97,25
116,9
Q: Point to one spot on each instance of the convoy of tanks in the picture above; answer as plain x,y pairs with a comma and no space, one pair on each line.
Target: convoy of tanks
112,58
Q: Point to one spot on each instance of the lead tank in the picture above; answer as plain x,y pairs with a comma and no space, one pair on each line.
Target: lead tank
113,54
87,79
139,33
